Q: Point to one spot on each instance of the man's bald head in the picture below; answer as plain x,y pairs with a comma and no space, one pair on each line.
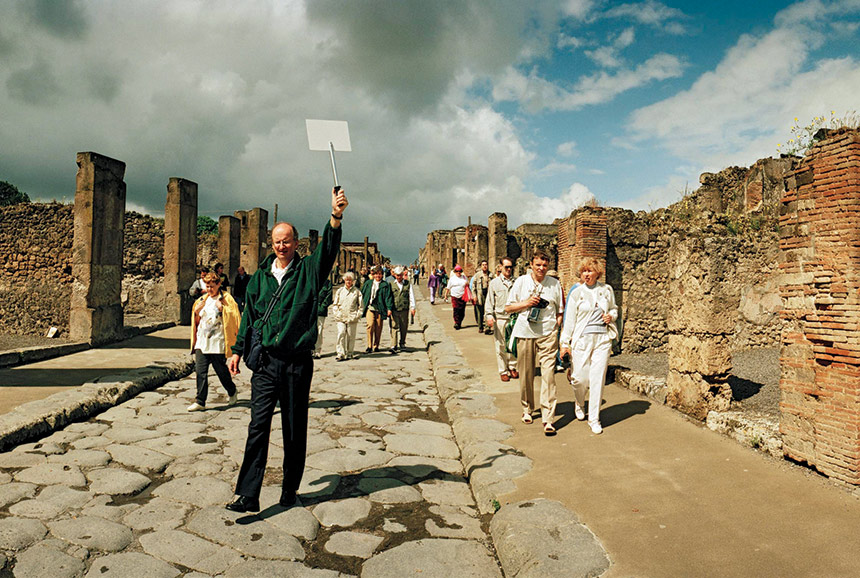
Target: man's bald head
284,228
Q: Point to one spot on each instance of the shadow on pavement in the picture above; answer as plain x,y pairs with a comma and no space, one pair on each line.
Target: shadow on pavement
621,411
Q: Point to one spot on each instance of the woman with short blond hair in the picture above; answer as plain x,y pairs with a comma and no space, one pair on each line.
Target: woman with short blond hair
587,334
346,311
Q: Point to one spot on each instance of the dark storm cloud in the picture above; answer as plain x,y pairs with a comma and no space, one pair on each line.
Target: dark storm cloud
34,85
62,18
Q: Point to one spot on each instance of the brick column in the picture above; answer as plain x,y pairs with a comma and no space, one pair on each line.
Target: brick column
95,314
253,237
229,243
180,248
820,287
497,238
699,328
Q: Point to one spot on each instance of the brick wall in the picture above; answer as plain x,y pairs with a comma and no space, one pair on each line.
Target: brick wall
820,359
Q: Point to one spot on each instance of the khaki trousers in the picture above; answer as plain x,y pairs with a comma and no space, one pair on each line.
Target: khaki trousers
504,360
531,353
374,328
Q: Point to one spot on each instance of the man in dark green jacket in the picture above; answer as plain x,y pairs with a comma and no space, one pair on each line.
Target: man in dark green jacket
377,303
324,300
287,364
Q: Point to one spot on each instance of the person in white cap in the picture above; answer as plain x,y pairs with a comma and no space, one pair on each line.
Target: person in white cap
404,304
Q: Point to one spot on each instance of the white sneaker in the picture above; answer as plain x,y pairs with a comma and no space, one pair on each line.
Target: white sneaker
196,407
580,415
232,400
596,428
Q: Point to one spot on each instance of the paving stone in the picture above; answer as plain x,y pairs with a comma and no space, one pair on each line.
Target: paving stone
257,539
157,514
543,538
421,427
422,445
392,527
41,561
378,419
18,533
366,391
357,544
129,564
189,551
11,492
279,568
87,428
139,458
82,458
92,533
471,404
100,507
21,459
181,427
455,524
118,413
200,492
44,447
454,493
474,430
38,509
342,512
52,474
362,442
117,481
182,445
388,490
345,460
126,434
320,441
92,442
51,502
295,521
318,483
433,557
420,467
5,478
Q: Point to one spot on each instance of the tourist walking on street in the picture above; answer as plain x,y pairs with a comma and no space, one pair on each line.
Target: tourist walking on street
404,304
443,282
457,285
537,300
240,285
323,302
376,303
497,317
433,285
198,288
346,311
479,286
363,276
286,365
587,334
214,326
225,280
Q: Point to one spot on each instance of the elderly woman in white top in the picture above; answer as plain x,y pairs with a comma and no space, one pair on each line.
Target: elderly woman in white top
346,312
457,289
587,334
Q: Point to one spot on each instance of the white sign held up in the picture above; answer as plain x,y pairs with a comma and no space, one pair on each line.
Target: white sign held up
329,135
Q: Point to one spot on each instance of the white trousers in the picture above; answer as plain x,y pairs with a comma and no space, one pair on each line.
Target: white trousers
589,358
346,338
320,325
504,360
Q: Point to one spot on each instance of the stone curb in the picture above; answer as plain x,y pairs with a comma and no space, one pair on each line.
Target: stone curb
37,418
752,429
36,353
547,544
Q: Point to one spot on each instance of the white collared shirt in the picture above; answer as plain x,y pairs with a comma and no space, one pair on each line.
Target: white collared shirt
281,273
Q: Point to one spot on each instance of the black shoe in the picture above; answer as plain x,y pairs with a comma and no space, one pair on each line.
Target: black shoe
244,504
288,498
367,350
456,326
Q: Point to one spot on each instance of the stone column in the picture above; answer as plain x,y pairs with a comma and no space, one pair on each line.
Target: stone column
820,287
254,237
96,307
229,244
180,248
313,240
366,253
700,321
497,241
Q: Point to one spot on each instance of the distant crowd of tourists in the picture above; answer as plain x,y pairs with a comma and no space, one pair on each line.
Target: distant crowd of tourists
534,324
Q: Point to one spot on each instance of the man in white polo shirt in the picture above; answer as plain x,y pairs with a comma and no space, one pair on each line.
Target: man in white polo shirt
538,300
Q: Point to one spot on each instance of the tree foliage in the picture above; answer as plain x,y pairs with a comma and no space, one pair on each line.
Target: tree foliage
207,225
10,195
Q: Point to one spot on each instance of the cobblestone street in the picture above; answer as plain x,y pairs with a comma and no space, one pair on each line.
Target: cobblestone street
140,489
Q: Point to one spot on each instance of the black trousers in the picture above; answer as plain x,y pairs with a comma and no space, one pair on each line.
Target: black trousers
202,361
286,380
479,315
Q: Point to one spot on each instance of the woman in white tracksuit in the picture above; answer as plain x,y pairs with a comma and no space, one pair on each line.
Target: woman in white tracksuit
587,334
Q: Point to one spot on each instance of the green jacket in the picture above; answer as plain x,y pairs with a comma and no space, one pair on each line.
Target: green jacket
324,299
384,301
292,327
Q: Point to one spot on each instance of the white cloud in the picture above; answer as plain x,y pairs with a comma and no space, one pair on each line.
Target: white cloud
651,13
567,149
555,168
548,209
609,56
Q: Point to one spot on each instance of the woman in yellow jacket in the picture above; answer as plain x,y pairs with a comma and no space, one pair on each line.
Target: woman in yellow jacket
214,327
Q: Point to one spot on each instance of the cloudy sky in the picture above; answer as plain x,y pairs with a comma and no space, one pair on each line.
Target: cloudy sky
455,108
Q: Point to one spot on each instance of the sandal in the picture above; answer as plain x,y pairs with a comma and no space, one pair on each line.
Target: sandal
527,418
548,429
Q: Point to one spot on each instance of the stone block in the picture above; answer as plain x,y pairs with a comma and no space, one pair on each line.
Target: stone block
706,355
180,248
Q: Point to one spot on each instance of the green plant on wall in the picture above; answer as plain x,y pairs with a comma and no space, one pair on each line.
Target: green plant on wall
207,225
804,136
10,195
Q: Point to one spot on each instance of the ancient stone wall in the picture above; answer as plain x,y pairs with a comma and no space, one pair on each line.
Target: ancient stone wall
820,285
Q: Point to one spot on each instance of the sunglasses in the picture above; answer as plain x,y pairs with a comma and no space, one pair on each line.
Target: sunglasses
507,266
